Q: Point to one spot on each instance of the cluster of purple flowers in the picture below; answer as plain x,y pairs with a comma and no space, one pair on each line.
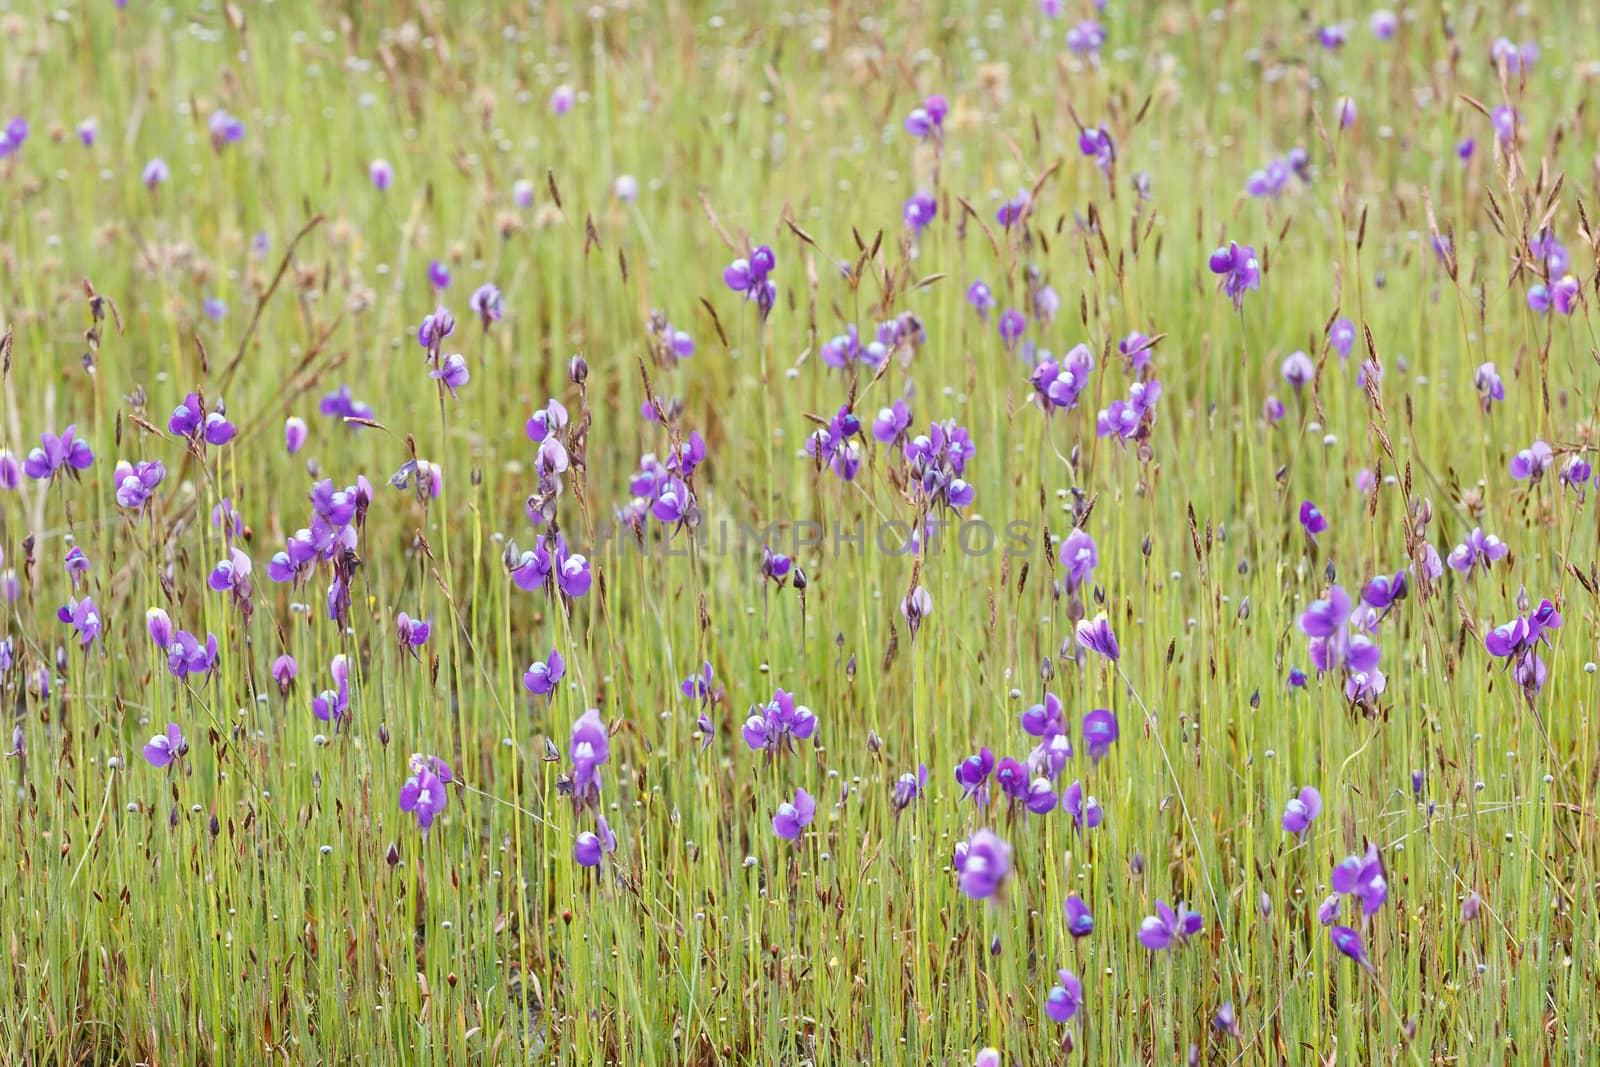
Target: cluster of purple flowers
1272,180
937,460
1340,644
1517,642
752,277
1058,385
775,726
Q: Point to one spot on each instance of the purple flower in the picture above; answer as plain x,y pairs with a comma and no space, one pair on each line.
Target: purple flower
1078,558
1348,941
164,748
1505,120
1532,461
1100,731
982,863
908,787
88,129
792,817
331,705
1301,811
1312,520
452,372
294,434
1490,387
434,328
589,847
919,212
1362,876
1012,325
1272,410
1238,270
1080,923
1086,38
775,726
927,119
892,423
187,656
1298,370
972,773
136,483
751,277
562,99
411,633
1097,636
1328,910
1130,419
155,172
700,685
1012,211
1342,336
1058,386
424,795
57,454
981,298
1478,549
159,626
1096,144
541,678
1064,999
916,607
1575,474
1086,812
340,404
1333,36
775,566
1167,928
1135,348
284,669
82,616
1516,58
487,303
1383,24
438,275
589,748
381,173
225,129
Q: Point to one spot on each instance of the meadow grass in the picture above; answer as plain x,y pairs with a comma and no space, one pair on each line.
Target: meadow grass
264,898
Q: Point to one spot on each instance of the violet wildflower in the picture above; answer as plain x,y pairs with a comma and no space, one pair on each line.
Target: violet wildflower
136,483
892,423
1012,324
982,863
1575,474
1333,36
58,454
1086,39
972,773
1272,410
1532,461
411,633
589,748
1342,336
331,705
1057,386
1012,211
381,173
1086,811
225,129
1135,348
916,607
163,749
522,193
1225,1020
1079,557
294,434
1080,923
1130,419
438,275
1166,928
1238,271
452,373
1490,387
699,686
927,119
1302,810
751,277
590,847
341,404
1097,636
434,328
155,172
159,626
1516,58
981,298
1505,119
919,212
1045,719
487,303
187,656
1095,143
562,99
1065,998
87,131
794,816
1345,108
1312,520
775,726
10,471
1298,370
1100,732
1479,549
542,677
908,787
775,566
424,794
284,669
1383,24
1363,877
1348,942
625,188
83,617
